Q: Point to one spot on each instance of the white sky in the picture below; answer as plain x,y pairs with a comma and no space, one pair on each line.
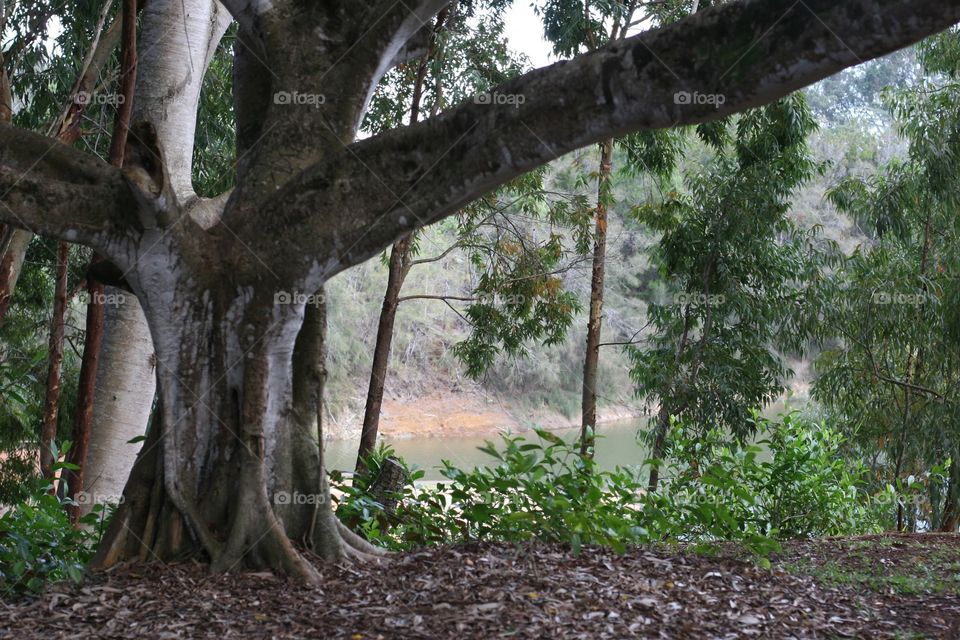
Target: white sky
525,34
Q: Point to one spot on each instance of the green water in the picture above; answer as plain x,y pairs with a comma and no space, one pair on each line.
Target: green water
616,445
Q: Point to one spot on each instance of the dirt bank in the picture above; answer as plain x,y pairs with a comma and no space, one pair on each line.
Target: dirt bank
463,413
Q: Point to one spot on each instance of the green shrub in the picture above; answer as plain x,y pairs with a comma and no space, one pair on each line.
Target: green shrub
792,484
38,544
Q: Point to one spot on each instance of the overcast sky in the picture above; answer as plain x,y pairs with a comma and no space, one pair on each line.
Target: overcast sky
525,34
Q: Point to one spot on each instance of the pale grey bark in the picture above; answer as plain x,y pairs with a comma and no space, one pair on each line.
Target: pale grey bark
124,394
169,78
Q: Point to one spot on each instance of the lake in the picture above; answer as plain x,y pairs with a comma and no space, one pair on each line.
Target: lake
616,445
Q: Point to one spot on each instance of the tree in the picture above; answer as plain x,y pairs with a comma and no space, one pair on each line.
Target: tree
237,418
735,275
890,367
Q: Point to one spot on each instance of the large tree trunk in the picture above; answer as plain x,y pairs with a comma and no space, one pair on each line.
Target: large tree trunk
591,358
125,386
399,266
233,471
232,468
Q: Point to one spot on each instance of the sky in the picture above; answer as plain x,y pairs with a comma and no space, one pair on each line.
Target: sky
525,34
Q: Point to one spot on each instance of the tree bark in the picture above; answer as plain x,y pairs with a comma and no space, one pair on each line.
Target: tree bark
950,517
14,245
588,422
51,403
125,383
83,415
659,446
399,266
122,400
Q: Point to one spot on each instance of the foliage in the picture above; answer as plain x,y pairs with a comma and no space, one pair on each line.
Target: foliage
734,269
890,365
790,484
38,543
355,506
793,484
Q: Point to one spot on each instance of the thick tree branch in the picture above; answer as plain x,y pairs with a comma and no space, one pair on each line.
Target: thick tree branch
49,188
720,61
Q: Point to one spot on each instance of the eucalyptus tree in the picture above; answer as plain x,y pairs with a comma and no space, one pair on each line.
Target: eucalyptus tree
892,364
735,275
233,440
571,26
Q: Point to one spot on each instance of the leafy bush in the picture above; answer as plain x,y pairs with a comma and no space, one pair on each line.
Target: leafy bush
39,545
355,505
792,484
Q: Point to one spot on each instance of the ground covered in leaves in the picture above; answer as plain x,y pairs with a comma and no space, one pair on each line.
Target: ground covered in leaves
895,586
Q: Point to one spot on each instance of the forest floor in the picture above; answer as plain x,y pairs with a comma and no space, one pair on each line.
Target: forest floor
890,586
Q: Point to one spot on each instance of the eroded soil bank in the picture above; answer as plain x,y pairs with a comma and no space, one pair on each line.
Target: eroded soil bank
894,586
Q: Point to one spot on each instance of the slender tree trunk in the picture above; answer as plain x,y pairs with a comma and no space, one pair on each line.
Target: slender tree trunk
86,385
659,446
398,269
592,357
381,352
51,404
950,517
663,417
